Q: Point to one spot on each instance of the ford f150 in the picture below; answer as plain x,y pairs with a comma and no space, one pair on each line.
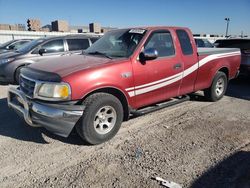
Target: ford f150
122,73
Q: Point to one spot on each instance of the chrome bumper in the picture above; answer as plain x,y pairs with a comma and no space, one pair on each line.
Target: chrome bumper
57,118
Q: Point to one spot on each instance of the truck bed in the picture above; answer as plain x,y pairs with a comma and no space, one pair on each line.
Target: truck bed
210,51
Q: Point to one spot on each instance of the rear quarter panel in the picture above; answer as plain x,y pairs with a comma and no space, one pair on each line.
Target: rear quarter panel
207,71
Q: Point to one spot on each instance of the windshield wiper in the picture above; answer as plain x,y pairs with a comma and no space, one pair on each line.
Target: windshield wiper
99,53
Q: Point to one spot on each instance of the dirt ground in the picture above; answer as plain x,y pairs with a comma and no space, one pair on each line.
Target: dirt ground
195,144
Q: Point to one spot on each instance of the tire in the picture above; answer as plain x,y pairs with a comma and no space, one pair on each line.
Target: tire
17,74
218,87
101,119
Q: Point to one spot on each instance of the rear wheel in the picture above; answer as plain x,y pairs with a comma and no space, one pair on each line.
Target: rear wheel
101,119
218,87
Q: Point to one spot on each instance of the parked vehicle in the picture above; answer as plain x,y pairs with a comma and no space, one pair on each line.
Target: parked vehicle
12,62
244,45
203,43
13,45
123,73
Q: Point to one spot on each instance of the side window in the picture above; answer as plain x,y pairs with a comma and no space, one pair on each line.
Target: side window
53,46
207,44
77,44
162,42
200,43
18,44
184,39
93,40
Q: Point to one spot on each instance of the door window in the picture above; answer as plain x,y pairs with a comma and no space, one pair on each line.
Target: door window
53,46
162,42
78,44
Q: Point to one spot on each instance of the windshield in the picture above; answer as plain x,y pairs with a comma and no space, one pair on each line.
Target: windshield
30,45
4,45
118,43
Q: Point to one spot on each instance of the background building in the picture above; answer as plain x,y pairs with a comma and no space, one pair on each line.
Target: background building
21,27
33,24
16,27
46,28
60,25
4,27
95,28
79,29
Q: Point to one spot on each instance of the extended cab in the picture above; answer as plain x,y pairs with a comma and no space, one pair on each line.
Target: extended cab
123,72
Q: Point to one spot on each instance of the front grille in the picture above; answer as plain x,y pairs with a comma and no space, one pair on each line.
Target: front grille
27,86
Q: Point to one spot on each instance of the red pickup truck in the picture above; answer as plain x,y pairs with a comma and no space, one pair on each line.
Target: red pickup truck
124,72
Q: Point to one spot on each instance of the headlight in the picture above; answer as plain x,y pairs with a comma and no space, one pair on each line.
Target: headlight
59,91
3,61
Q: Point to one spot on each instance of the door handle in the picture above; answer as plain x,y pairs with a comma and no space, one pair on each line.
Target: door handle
177,66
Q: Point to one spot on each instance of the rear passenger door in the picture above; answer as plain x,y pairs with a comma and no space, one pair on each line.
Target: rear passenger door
77,45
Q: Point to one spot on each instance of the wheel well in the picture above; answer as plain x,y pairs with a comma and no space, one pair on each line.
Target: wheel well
225,70
118,94
23,65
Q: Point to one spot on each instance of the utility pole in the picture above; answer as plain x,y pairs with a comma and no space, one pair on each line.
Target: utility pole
228,20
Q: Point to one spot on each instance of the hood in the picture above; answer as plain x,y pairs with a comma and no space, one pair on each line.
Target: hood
3,51
9,54
66,65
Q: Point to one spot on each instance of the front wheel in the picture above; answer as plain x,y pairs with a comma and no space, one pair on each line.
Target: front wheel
102,118
218,87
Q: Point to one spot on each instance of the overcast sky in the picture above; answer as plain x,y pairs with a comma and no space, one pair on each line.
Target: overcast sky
201,16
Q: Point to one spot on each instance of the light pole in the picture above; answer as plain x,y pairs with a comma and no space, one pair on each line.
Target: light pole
228,20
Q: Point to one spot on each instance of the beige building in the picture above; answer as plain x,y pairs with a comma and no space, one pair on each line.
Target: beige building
16,27
4,27
95,28
34,24
60,25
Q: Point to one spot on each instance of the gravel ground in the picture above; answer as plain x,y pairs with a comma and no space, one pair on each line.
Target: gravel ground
195,144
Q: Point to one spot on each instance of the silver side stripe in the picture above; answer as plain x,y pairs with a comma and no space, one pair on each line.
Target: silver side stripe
145,88
154,87
156,82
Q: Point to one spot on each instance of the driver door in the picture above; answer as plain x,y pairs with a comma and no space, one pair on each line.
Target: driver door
53,48
159,79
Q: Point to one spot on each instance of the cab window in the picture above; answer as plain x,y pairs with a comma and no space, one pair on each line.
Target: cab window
185,42
53,46
162,42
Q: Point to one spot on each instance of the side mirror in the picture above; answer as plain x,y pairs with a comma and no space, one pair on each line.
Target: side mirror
148,54
11,47
42,51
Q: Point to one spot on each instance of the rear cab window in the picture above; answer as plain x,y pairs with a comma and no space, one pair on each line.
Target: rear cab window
77,44
186,46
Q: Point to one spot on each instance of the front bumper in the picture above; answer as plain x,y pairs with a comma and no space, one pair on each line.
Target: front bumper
60,119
